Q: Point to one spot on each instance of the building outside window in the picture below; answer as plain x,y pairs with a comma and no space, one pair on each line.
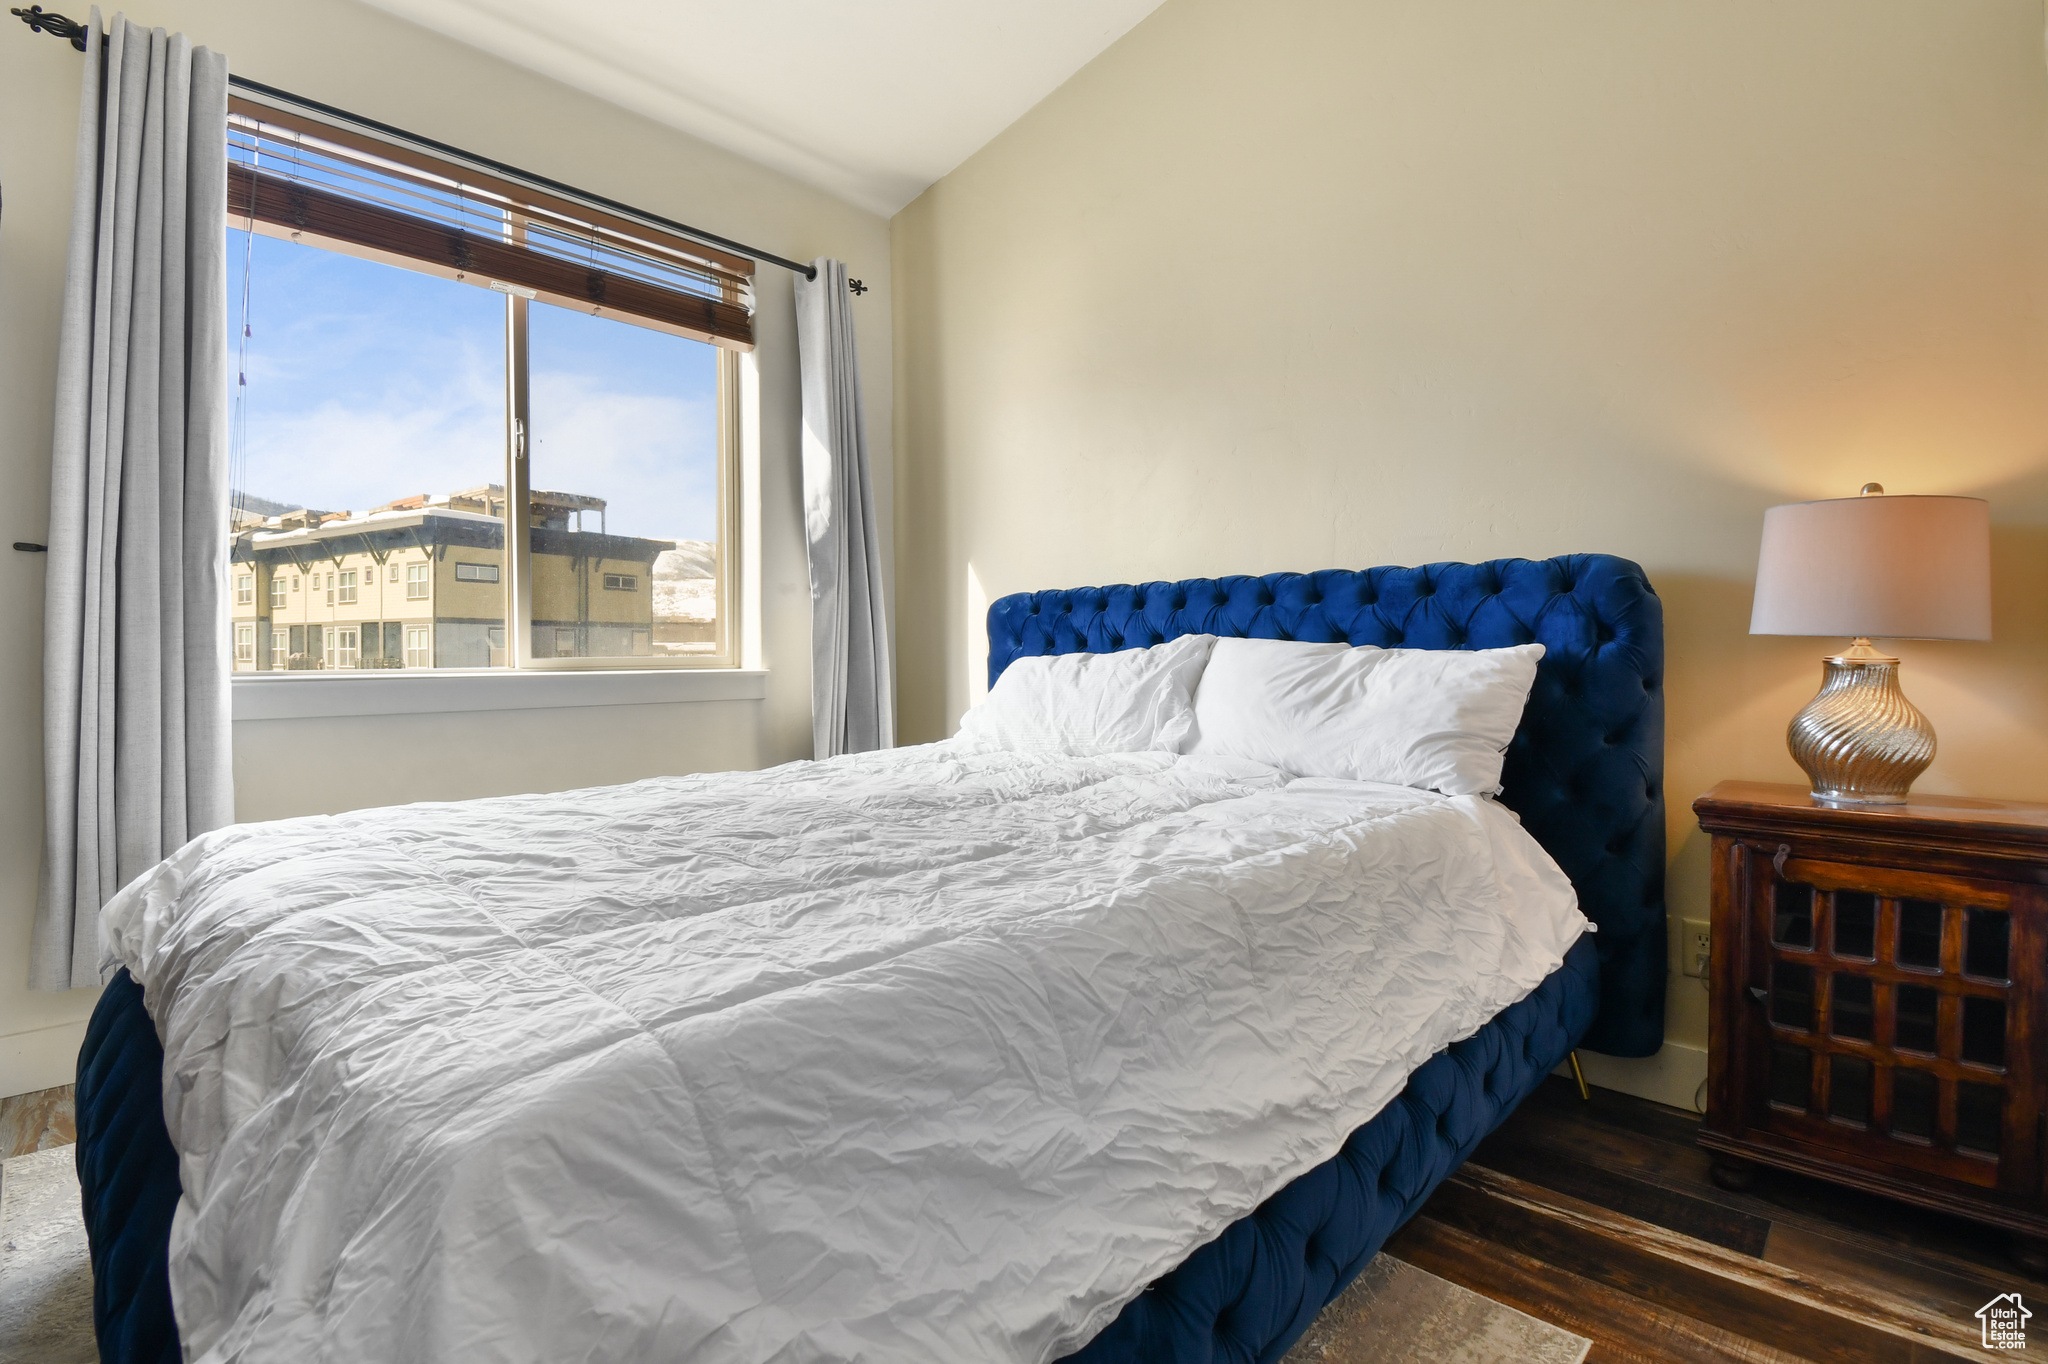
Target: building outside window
245,644
627,417
245,589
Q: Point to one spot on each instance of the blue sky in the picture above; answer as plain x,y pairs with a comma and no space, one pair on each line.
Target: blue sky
369,382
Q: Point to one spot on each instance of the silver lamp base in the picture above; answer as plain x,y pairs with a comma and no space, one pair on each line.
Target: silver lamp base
1860,740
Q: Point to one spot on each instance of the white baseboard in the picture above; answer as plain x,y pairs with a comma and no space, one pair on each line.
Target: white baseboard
1673,1076
41,1059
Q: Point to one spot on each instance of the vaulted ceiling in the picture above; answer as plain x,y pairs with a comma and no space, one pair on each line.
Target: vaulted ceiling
871,101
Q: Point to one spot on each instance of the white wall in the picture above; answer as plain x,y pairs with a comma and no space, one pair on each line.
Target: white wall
1331,283
368,62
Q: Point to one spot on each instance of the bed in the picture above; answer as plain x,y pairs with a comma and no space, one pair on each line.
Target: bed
1583,773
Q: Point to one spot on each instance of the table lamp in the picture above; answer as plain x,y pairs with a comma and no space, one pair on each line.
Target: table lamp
1871,566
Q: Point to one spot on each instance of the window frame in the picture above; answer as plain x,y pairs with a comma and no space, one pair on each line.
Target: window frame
725,652
515,578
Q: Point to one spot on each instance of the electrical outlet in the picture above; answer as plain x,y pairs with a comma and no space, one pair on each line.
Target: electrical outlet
1695,947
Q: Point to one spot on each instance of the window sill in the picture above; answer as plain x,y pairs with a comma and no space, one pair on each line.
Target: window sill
313,695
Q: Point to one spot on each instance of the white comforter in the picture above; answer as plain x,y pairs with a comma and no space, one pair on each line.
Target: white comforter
933,1055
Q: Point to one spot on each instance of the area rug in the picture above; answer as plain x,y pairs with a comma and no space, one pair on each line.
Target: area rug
1394,1313
45,1274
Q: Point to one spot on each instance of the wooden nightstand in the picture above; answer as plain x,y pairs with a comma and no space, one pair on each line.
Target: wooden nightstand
1878,999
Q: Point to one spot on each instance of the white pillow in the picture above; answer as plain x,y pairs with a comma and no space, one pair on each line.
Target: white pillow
1439,719
1126,702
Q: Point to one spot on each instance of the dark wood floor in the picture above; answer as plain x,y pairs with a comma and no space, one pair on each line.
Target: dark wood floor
1601,1218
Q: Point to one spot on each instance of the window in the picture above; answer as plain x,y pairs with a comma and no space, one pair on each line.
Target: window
245,643
295,582
276,591
342,648
601,348
245,589
280,647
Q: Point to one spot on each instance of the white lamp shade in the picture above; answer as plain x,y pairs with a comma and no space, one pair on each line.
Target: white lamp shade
1879,567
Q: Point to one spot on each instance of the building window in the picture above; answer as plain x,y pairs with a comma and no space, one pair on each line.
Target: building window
245,589
276,590
295,582
353,322
342,646
245,643
280,647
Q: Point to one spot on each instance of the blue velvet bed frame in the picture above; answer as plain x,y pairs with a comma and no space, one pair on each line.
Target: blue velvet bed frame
1585,773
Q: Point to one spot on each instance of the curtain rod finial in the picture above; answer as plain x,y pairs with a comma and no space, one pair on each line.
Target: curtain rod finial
39,22
857,287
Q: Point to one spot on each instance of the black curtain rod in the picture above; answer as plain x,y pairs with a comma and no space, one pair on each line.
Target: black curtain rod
40,22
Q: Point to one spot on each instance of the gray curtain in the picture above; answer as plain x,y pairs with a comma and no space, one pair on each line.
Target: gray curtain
135,668
853,705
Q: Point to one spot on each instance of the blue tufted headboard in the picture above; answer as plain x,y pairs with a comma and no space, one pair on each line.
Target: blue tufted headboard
1585,770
